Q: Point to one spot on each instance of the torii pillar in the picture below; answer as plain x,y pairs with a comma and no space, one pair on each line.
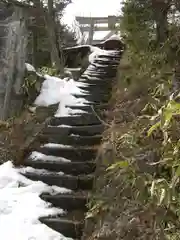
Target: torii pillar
91,32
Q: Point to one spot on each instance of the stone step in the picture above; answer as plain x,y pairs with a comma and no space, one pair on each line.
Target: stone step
84,119
90,108
72,201
87,76
107,86
99,83
74,154
101,61
96,74
105,61
104,70
92,86
93,95
96,71
101,90
96,98
62,180
76,215
104,67
73,168
73,140
87,130
96,90
69,228
101,74
112,56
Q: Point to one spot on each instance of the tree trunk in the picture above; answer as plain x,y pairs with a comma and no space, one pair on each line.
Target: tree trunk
161,26
37,4
51,30
161,8
34,47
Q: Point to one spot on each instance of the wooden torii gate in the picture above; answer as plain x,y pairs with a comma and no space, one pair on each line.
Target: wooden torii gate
92,24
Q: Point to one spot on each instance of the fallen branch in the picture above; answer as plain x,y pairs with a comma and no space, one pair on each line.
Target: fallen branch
102,121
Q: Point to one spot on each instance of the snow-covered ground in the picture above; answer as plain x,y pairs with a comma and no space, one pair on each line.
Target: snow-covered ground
21,206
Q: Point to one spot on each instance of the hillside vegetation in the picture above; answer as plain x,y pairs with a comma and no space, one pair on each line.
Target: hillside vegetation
137,190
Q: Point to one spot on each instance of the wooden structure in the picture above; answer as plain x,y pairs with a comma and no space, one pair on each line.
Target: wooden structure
13,45
92,24
15,20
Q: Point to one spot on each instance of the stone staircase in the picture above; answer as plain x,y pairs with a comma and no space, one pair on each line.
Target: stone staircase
79,137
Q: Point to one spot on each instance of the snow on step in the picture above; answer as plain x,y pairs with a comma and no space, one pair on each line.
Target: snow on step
38,171
62,126
66,111
21,207
55,90
40,156
55,145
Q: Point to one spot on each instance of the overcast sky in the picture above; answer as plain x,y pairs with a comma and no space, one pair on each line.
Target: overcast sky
94,8
99,8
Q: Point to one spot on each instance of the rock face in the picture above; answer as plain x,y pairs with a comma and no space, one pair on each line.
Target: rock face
112,43
74,56
5,15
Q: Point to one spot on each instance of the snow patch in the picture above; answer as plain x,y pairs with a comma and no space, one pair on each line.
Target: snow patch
55,90
75,135
30,68
21,207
